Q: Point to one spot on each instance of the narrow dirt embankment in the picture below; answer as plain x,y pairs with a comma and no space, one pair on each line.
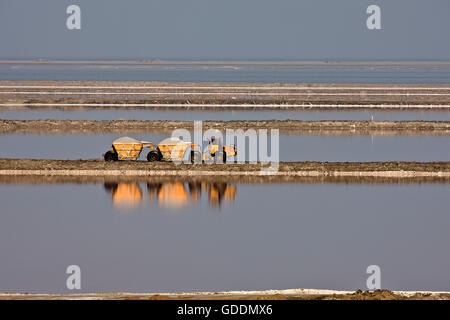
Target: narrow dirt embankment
97,167
186,96
248,179
337,127
98,164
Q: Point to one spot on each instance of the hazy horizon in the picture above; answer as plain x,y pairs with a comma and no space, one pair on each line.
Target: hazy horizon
212,59
253,30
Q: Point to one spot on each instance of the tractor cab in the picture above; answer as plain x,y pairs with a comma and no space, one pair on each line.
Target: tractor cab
218,151
214,145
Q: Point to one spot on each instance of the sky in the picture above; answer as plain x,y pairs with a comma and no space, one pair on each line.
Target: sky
225,30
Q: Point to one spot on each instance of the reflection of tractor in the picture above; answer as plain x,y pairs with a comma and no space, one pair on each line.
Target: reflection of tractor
169,149
218,191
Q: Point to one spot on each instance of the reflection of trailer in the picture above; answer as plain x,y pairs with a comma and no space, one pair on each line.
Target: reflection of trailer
168,149
178,194
173,194
124,194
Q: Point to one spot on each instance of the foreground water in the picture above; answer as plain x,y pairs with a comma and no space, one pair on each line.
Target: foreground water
291,147
133,114
173,236
412,74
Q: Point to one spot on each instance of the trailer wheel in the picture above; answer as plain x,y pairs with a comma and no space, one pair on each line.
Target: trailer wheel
111,156
153,156
196,157
220,157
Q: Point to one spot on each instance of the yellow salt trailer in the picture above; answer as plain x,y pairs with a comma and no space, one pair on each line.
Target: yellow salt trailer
126,148
173,148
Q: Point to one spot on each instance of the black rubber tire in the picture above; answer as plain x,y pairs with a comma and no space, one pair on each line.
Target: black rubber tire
220,157
111,156
196,157
153,156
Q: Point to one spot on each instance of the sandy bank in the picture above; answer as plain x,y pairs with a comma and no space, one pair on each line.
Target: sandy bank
99,168
287,126
199,96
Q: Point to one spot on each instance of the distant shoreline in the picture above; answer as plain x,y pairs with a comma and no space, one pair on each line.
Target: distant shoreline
153,62
221,96
289,294
335,127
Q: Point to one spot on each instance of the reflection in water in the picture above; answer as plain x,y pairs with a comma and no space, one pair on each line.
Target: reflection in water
171,195
342,227
124,195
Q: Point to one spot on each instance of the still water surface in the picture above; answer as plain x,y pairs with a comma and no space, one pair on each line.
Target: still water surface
173,236
412,74
133,114
292,147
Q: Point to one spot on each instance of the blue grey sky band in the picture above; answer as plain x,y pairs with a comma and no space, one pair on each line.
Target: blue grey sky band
229,30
